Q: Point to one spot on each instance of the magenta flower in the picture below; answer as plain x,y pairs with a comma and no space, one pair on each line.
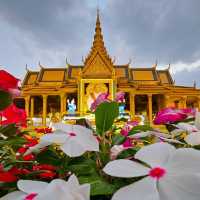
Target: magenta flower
171,115
119,97
125,130
189,111
103,97
128,143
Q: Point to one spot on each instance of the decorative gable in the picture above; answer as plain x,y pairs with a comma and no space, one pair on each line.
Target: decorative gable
97,68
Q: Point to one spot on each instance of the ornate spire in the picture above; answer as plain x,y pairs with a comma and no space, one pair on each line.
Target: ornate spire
98,43
98,37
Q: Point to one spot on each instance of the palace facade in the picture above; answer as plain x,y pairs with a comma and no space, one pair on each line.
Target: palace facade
147,90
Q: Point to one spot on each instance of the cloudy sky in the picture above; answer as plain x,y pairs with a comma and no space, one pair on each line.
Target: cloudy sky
142,30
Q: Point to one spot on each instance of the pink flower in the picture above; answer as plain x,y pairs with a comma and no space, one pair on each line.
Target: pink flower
14,92
133,123
119,97
170,115
103,97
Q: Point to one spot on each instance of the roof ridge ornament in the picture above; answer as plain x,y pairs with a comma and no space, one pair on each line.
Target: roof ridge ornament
155,64
39,64
129,62
67,63
27,69
114,59
169,67
195,84
83,59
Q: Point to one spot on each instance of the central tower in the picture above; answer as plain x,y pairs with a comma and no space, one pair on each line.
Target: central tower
98,71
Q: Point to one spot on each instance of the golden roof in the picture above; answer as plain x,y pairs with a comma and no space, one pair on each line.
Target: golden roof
52,75
98,64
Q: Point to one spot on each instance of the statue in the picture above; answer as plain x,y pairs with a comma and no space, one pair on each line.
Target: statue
122,109
71,106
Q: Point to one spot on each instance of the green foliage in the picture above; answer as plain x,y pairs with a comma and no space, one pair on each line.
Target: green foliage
127,153
14,142
98,185
118,139
86,167
140,128
49,157
105,115
5,99
8,130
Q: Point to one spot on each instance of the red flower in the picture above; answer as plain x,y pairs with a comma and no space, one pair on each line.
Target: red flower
8,81
22,150
31,142
49,171
47,175
43,130
7,177
29,157
12,114
19,171
44,167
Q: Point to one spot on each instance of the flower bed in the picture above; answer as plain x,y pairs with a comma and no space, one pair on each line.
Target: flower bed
120,160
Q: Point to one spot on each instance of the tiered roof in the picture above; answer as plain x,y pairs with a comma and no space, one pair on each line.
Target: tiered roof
98,64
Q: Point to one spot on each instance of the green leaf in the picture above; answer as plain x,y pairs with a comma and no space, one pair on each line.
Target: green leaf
118,139
140,128
98,185
5,99
48,157
86,167
15,142
127,153
105,115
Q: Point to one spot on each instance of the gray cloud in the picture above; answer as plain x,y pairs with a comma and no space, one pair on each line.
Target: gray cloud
187,77
144,30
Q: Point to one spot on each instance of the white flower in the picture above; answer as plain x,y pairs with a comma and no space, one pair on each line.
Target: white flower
149,133
170,174
189,127
160,136
193,139
74,140
56,189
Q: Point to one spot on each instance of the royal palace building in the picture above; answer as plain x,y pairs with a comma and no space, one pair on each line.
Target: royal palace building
147,90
